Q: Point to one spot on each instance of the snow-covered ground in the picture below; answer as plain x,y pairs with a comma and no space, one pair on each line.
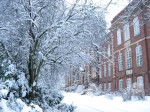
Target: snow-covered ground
86,103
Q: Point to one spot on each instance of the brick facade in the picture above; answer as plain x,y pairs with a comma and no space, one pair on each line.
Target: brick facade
110,81
143,39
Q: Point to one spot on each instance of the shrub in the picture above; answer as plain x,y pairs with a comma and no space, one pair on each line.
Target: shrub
138,91
126,94
66,108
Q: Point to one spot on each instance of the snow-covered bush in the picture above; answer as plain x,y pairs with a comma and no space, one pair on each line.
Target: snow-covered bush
46,98
14,86
138,91
66,108
17,105
126,94
71,88
13,80
109,96
80,88
14,89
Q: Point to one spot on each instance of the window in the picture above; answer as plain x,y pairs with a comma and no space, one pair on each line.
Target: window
140,81
105,87
128,58
136,26
100,72
120,85
139,60
126,32
100,87
109,86
118,36
120,62
108,51
104,70
109,69
129,84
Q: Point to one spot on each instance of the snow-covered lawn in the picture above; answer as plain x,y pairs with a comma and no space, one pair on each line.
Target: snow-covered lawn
86,103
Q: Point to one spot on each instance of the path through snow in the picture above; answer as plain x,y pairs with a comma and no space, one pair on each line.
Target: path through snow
85,103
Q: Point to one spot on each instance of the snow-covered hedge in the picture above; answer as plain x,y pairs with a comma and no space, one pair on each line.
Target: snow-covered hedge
46,98
17,105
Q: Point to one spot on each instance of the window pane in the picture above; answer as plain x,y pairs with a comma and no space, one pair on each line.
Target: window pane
140,81
109,69
128,58
139,60
120,84
126,32
108,51
129,84
136,26
120,62
118,36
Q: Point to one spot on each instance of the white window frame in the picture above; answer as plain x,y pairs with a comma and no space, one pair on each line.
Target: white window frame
129,83
139,58
126,30
105,87
109,86
100,72
120,85
136,26
120,62
104,70
108,51
119,41
109,69
128,58
140,81
101,87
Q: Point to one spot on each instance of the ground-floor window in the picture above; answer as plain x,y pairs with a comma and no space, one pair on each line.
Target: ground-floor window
129,84
105,87
109,86
140,81
100,87
120,85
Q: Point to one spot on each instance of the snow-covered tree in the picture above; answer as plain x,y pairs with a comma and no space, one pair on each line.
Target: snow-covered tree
39,36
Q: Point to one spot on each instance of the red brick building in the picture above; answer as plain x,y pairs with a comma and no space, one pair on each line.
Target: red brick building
131,44
106,64
124,56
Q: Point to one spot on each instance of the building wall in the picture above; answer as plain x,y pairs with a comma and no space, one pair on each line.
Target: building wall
141,39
